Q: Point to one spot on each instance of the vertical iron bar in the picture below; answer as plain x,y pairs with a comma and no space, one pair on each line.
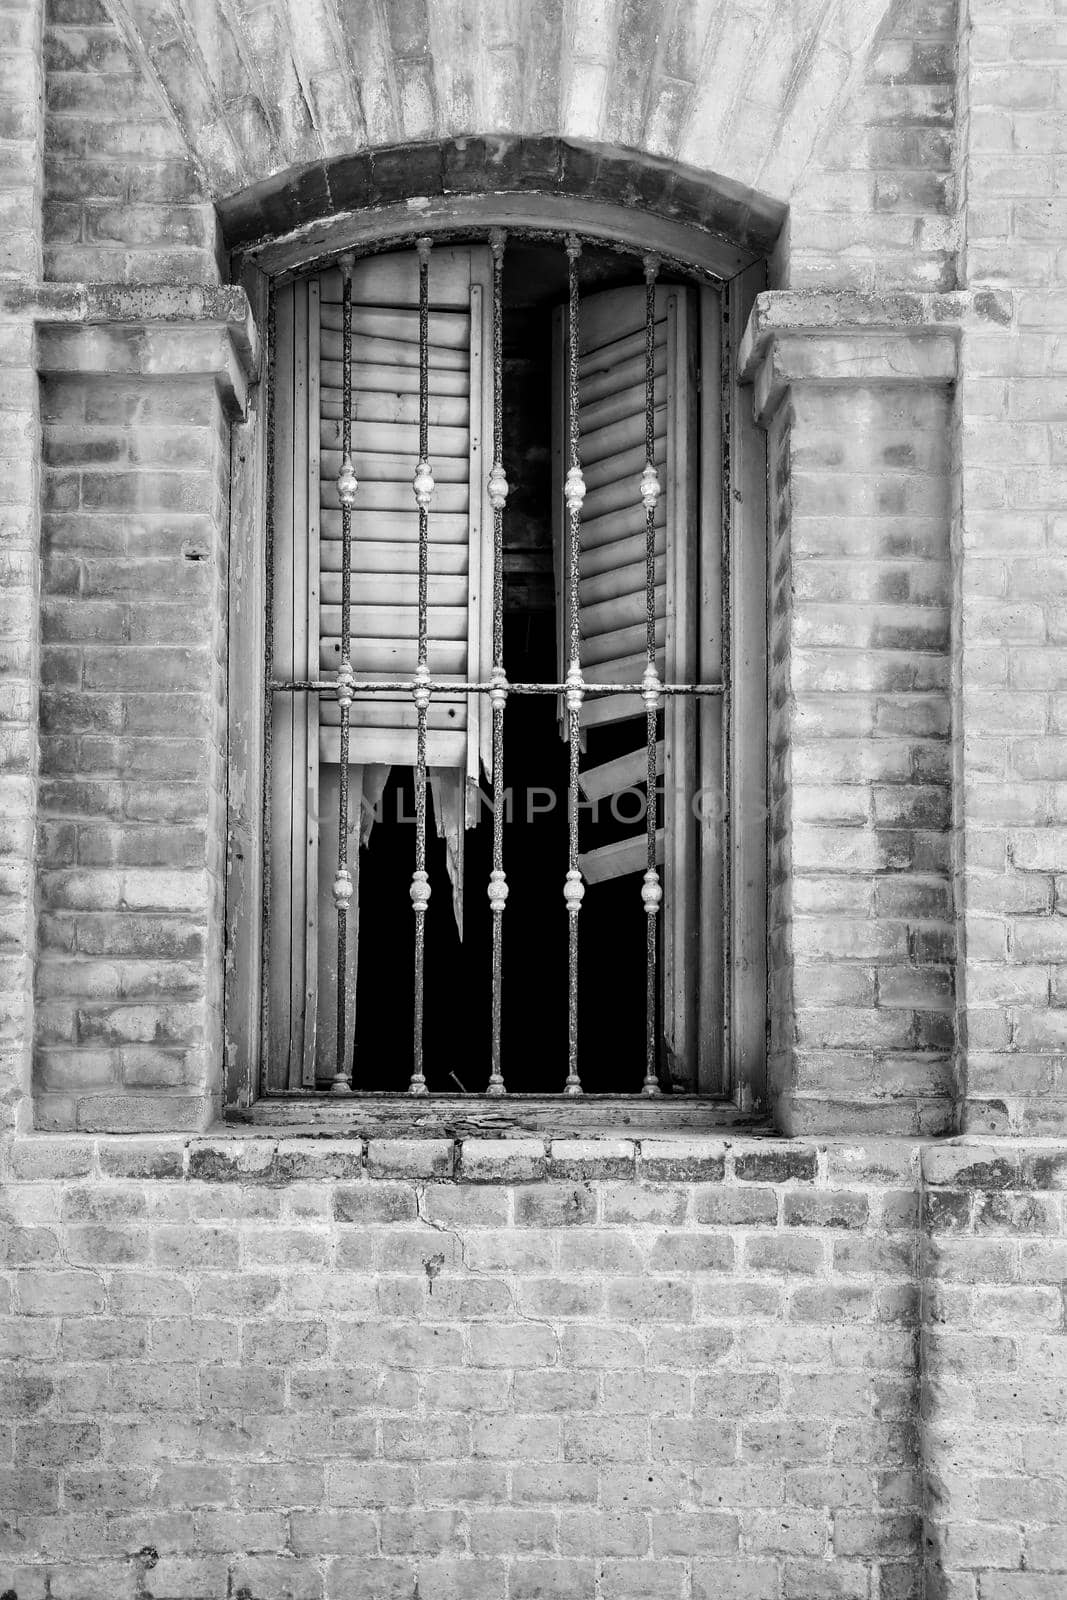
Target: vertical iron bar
574,494
423,486
498,494
651,889
346,493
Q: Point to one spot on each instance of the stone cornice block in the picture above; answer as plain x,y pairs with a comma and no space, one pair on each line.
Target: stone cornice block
144,330
793,338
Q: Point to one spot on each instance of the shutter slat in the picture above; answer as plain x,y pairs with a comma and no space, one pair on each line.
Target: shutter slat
374,467
396,353
378,746
448,329
375,711
396,495
629,401
625,669
597,443
609,499
622,466
393,438
382,405
627,375
383,556
605,647
400,524
620,553
625,772
621,349
396,589
389,658
394,622
618,860
611,616
621,524
387,378
611,708
618,580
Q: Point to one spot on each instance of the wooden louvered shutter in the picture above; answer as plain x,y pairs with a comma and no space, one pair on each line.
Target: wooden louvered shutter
384,597
612,600
385,554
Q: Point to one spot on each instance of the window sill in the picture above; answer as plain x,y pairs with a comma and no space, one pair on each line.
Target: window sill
398,1116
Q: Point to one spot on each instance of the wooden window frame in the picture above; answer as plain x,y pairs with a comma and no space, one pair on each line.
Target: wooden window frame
733,455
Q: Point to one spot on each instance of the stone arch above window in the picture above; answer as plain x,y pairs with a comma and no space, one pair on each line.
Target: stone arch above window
730,225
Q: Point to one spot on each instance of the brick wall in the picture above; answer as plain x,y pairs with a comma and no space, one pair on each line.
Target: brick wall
125,202
995,1372
689,1369
1012,588
876,209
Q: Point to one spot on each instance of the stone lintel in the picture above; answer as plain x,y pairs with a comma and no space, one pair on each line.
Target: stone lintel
146,330
862,340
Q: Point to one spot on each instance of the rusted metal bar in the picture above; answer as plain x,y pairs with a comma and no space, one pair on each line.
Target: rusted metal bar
460,686
347,486
574,494
651,889
498,694
423,486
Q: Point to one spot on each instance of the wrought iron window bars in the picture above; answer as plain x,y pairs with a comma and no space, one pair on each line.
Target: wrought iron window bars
422,685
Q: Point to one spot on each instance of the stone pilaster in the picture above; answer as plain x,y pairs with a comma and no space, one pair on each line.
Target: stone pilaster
856,395
138,391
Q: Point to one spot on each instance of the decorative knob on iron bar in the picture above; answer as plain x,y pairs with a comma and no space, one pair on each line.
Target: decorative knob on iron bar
650,489
574,490
497,486
420,692
420,892
345,685
574,892
651,892
498,890
575,687
498,693
342,889
347,484
423,484
651,688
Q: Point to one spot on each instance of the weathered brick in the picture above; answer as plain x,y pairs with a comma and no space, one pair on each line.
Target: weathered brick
904,163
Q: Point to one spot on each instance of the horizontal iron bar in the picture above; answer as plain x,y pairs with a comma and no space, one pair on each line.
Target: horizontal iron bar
406,685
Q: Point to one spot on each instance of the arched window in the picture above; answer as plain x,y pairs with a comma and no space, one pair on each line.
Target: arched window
501,594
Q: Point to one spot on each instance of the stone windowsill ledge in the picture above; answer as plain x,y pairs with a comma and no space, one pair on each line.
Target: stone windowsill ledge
247,1157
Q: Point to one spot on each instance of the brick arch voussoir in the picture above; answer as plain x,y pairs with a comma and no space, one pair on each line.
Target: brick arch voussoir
372,180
